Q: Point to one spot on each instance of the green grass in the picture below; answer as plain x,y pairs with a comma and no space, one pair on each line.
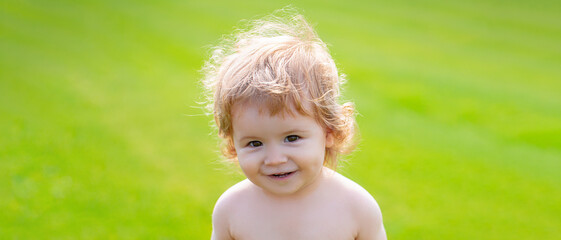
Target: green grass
101,136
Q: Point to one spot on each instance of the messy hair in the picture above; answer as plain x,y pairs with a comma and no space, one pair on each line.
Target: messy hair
280,63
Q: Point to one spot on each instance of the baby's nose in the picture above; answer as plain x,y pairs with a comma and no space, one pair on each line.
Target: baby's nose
275,156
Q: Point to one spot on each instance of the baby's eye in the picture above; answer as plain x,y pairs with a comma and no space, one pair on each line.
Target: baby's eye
255,144
291,138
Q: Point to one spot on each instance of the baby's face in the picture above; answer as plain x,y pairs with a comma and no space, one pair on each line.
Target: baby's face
281,154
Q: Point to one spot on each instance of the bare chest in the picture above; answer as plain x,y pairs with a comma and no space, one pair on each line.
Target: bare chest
293,222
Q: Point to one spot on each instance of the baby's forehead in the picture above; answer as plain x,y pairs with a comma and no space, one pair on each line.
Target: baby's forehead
255,118
262,108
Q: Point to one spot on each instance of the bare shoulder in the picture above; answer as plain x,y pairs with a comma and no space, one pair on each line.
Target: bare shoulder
225,208
363,206
353,192
234,193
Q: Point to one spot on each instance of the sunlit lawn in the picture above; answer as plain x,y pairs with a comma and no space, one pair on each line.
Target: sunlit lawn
102,136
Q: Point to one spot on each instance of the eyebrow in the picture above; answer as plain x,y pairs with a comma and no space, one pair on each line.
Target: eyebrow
245,138
295,130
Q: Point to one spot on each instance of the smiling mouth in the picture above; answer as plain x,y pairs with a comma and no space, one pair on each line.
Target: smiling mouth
281,175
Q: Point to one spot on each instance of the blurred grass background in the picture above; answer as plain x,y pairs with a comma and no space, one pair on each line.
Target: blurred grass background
101,136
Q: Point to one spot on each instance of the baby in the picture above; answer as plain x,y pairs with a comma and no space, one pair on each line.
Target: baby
273,90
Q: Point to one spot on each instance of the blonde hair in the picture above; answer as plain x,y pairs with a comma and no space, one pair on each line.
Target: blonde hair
278,62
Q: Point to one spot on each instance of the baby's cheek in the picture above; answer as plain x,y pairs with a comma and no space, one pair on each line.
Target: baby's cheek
248,161
313,154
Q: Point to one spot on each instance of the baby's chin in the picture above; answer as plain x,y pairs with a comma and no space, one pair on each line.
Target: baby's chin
287,186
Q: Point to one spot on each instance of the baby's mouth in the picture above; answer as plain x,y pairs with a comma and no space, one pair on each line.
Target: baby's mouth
282,175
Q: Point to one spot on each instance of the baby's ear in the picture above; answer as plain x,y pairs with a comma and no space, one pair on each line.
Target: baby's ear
329,139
